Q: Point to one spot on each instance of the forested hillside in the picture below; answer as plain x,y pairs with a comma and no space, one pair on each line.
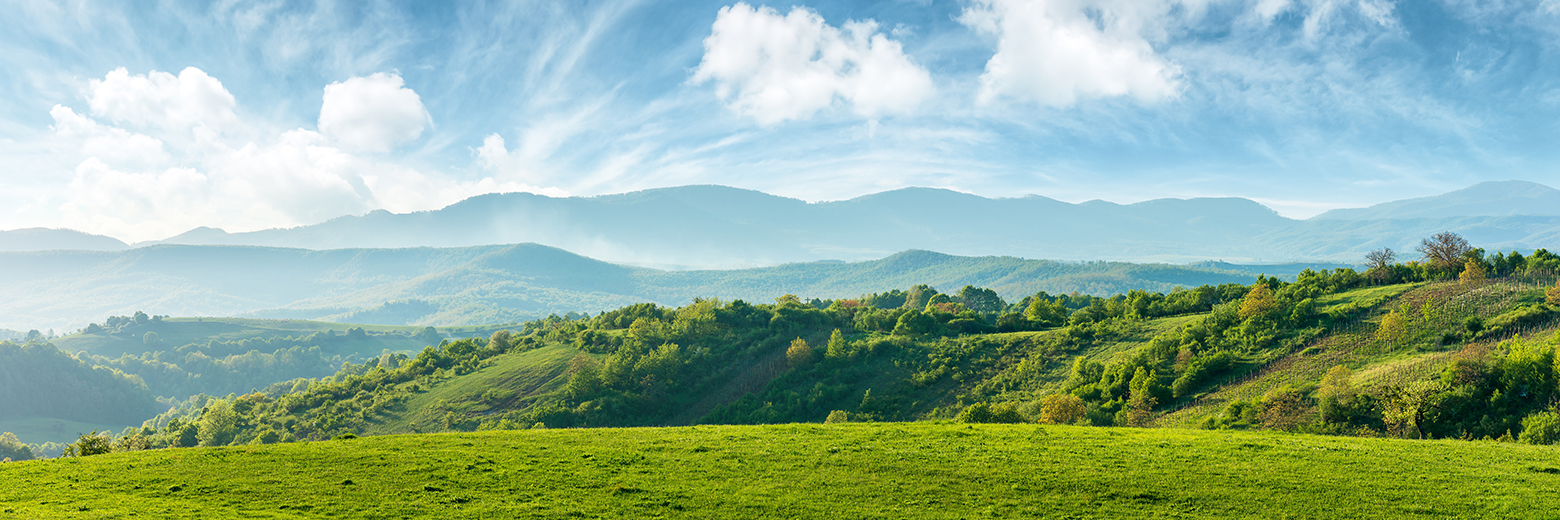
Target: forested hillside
1205,357
37,379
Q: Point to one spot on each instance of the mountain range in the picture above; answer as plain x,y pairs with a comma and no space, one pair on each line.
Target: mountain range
495,284
722,227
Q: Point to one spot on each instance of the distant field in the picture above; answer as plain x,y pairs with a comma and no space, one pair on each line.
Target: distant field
885,470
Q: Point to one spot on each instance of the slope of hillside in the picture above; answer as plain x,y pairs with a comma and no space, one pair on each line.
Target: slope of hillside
915,470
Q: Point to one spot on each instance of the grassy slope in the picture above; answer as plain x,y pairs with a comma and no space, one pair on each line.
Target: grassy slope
1374,363
890,470
521,378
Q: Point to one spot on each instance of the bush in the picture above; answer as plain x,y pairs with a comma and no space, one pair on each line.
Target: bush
1005,413
1062,409
836,417
975,413
1540,428
90,444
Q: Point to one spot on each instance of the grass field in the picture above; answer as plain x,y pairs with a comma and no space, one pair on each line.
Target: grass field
885,470
519,379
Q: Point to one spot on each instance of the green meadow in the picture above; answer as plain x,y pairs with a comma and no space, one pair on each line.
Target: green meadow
857,470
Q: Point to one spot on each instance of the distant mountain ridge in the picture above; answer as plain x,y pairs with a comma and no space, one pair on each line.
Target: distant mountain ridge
489,284
723,227
45,239
1486,199
705,227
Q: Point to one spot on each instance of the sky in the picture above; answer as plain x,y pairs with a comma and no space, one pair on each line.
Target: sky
142,120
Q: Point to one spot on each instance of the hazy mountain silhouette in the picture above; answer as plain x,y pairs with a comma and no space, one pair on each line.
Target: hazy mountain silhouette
1485,199
717,226
491,284
45,239
720,227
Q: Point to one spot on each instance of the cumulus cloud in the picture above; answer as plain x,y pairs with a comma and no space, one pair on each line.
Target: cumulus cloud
775,67
372,114
138,187
107,142
160,100
1055,52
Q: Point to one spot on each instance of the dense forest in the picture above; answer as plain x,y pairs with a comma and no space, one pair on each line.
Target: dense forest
1132,359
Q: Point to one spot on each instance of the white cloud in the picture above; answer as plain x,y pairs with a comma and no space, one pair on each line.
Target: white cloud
1055,52
775,68
128,184
160,100
114,144
372,114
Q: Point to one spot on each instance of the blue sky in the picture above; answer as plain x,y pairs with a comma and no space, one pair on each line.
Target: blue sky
142,120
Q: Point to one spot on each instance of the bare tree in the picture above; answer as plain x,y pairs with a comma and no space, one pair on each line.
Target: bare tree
1380,258
1445,249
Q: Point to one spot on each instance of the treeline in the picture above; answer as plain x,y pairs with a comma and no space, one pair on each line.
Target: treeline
176,374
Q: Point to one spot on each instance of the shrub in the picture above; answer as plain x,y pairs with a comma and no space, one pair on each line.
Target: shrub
985,413
836,417
1541,428
975,413
89,444
1061,409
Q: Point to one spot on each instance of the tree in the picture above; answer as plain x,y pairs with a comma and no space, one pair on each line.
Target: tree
1472,272
218,424
837,417
799,355
1407,407
1445,250
1378,264
1552,294
1258,302
914,323
984,301
13,449
150,339
89,444
1062,409
1380,259
838,348
1046,313
1336,394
